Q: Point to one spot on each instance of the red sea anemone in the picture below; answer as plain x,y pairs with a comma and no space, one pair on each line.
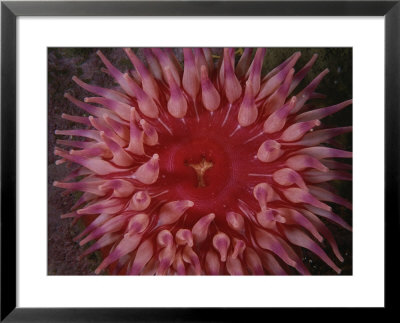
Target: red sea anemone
210,168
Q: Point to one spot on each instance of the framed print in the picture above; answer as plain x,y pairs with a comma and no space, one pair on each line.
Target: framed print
190,161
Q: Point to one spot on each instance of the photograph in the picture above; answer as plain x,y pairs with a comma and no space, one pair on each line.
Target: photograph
200,161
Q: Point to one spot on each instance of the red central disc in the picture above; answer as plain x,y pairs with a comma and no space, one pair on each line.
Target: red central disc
216,178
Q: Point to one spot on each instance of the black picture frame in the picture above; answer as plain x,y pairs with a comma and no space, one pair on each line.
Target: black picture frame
11,10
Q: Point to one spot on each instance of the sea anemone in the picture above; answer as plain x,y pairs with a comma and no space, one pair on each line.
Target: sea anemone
205,166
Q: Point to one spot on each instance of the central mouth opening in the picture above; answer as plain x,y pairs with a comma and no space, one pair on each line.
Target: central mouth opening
200,168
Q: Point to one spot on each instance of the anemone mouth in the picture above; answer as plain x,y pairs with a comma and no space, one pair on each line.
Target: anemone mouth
199,165
209,169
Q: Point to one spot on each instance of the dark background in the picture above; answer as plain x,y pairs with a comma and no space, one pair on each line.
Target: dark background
63,63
